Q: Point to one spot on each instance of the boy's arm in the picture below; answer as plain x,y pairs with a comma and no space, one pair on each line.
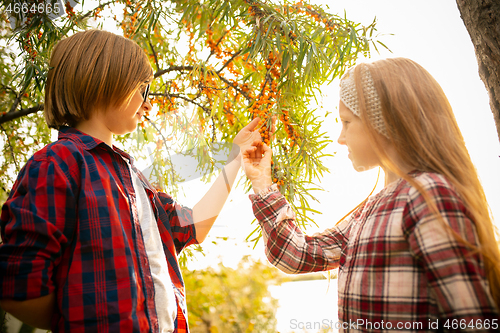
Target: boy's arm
37,222
205,212
35,312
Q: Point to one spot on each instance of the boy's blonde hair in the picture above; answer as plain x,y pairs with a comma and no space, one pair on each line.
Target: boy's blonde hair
91,71
422,128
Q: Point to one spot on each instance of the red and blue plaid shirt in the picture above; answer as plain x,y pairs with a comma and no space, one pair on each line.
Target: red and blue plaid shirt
399,267
70,226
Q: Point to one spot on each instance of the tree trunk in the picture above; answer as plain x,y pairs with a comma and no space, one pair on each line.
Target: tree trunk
482,20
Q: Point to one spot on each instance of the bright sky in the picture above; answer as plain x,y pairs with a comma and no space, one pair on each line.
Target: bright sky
427,31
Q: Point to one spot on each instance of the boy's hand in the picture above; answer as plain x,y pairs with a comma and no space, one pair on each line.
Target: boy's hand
248,135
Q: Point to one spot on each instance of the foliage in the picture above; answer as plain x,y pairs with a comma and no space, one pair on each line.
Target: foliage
230,300
217,65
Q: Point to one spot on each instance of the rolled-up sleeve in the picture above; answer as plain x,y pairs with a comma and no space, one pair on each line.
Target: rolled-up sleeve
36,221
180,219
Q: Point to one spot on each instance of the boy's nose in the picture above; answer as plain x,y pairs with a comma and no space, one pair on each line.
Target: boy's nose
147,105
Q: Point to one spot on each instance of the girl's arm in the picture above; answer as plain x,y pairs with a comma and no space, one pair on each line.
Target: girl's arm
455,273
286,246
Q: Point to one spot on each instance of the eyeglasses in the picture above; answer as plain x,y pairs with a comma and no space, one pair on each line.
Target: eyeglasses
145,93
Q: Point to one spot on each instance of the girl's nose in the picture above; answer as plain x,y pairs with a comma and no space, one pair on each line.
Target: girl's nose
341,139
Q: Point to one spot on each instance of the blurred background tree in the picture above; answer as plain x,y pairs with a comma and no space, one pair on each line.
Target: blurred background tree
222,299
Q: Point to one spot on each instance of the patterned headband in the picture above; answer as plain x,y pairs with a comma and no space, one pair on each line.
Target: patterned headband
349,96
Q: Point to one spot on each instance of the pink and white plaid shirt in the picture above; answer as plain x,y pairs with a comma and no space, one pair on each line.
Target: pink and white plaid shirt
399,267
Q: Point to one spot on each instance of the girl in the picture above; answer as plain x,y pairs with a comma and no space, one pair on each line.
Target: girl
420,254
88,244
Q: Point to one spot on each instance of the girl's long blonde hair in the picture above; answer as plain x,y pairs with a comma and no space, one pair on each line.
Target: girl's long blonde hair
423,129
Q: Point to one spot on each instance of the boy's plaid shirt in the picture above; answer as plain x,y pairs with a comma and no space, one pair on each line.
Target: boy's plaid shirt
398,265
70,226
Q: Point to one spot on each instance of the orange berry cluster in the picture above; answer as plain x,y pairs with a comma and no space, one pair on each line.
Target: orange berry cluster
208,84
278,181
97,12
310,11
230,67
213,45
268,96
277,178
69,10
28,47
290,131
255,11
190,32
174,86
248,64
128,24
29,16
166,104
229,113
273,66
262,107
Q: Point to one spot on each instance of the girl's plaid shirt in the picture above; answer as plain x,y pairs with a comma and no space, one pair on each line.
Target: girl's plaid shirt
70,226
398,265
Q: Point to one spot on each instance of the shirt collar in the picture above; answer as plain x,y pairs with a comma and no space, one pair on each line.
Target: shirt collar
89,142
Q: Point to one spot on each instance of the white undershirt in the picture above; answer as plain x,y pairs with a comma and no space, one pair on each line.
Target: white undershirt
166,306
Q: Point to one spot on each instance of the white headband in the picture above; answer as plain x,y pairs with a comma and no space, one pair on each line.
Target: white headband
349,96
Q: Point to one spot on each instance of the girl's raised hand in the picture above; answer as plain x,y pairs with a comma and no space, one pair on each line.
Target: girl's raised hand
257,165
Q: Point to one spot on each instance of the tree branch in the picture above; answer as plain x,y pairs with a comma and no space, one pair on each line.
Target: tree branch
173,68
90,12
229,83
229,61
154,54
192,101
18,114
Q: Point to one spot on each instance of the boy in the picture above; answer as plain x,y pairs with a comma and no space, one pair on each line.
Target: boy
88,244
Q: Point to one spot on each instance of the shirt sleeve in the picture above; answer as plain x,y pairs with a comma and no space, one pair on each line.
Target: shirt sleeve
286,246
181,222
455,274
37,220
